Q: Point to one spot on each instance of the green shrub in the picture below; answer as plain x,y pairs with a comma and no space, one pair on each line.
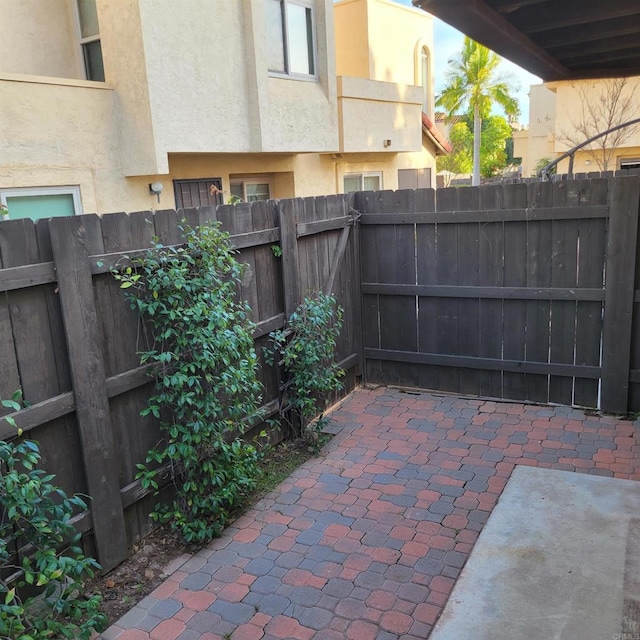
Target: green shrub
35,517
306,349
205,365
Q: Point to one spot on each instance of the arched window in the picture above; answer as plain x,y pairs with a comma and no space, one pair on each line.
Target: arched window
425,80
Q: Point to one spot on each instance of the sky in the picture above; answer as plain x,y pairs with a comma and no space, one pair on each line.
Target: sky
448,42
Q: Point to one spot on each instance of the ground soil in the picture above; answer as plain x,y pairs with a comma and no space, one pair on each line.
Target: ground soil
143,571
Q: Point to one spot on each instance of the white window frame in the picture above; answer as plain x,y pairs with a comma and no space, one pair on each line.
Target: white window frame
309,77
245,180
20,192
82,41
362,175
622,162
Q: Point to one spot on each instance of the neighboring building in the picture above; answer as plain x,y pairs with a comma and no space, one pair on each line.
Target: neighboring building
255,98
564,114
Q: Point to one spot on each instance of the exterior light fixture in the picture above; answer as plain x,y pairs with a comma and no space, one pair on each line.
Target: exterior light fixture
155,189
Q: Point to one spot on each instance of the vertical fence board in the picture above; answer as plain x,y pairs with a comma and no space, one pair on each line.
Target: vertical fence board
468,242
364,202
447,274
398,319
564,272
288,241
426,263
591,258
491,274
88,374
515,275
624,200
538,275
145,433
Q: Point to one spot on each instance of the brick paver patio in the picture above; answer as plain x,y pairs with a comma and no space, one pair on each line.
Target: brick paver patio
366,541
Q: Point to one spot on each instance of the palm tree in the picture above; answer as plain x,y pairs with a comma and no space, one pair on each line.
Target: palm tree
472,83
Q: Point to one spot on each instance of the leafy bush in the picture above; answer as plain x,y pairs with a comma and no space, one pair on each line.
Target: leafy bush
306,349
35,520
204,364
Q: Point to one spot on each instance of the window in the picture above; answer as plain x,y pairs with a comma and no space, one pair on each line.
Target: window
425,76
90,40
197,193
371,181
414,178
291,41
250,190
41,202
630,163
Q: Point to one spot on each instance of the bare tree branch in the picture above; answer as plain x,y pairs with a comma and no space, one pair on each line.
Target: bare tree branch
603,104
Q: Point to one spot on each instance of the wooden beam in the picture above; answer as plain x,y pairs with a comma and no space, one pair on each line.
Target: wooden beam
477,20
624,200
497,215
509,6
89,387
28,276
588,33
495,293
37,414
267,326
577,12
491,364
289,244
320,226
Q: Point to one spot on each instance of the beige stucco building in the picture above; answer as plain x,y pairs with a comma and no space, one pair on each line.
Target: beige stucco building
99,99
565,114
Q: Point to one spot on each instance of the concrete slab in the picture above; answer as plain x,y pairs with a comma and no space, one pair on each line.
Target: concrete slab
557,559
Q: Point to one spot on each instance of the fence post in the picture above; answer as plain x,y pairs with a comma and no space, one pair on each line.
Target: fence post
288,216
89,387
624,201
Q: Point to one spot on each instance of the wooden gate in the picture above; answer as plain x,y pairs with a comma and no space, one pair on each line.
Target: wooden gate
499,291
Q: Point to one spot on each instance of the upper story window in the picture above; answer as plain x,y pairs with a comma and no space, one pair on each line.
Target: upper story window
425,76
291,37
90,40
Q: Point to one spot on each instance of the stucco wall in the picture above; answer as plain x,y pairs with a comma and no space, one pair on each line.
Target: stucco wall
38,37
373,112
60,135
394,34
352,38
570,111
382,40
126,71
209,86
538,141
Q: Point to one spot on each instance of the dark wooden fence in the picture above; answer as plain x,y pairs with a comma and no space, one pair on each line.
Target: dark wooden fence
522,291
69,340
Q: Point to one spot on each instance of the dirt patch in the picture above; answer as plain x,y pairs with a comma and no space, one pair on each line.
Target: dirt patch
143,571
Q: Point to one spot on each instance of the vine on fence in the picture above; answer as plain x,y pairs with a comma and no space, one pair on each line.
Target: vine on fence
205,365
35,523
306,348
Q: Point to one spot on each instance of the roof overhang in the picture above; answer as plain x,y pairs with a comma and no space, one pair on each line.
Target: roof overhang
556,40
435,136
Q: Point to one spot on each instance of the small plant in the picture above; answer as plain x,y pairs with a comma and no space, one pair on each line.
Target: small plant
306,349
276,249
204,364
39,552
